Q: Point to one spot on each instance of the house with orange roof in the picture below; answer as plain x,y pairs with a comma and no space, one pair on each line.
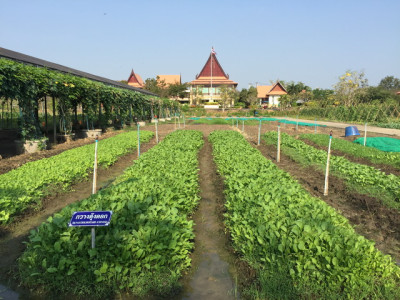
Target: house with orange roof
269,95
206,86
135,80
169,79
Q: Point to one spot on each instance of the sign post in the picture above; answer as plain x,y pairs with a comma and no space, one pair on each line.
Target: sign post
91,219
95,167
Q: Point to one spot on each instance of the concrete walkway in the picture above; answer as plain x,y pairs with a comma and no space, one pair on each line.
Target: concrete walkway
387,131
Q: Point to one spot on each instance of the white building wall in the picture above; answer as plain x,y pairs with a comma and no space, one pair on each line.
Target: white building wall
274,100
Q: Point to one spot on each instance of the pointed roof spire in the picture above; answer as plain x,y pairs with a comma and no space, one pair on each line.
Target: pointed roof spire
217,70
135,80
216,77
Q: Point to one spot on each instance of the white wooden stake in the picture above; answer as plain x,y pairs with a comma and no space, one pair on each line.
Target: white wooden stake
175,121
157,131
327,166
297,122
138,137
315,126
95,168
365,134
179,122
259,133
278,153
243,125
184,122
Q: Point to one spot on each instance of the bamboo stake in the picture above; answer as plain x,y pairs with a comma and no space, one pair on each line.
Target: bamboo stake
365,134
278,152
327,166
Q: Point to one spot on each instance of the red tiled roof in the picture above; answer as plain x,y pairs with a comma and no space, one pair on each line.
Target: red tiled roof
135,80
213,68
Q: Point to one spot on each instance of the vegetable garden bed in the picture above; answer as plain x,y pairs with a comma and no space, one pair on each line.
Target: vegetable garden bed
146,246
299,246
362,178
22,187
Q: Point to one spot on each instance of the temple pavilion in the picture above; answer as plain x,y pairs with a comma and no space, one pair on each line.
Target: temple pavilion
135,80
206,86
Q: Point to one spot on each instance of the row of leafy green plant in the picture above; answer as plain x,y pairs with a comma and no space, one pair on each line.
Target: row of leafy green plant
364,179
299,246
372,154
29,84
147,244
27,185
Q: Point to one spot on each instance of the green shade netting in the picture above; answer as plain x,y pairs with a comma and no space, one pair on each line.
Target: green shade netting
386,144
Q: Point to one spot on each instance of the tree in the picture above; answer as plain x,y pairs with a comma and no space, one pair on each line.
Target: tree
286,101
156,86
351,86
197,92
252,99
177,90
228,95
294,88
151,85
390,83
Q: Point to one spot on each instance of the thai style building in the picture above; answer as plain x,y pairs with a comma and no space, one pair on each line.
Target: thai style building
206,87
268,95
135,80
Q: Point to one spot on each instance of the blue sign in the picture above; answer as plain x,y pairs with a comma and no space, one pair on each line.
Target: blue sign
91,218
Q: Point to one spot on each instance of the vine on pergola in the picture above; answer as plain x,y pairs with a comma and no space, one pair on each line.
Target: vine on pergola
107,104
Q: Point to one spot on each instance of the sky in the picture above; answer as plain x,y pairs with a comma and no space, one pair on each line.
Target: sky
257,42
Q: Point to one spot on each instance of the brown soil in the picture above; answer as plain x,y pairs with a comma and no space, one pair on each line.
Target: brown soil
368,215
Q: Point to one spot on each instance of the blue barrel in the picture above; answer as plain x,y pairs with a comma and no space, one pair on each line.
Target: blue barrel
351,130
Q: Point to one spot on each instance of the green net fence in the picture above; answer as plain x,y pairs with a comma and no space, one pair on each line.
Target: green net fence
382,143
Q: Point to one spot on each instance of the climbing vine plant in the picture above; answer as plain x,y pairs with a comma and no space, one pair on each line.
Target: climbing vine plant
108,104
